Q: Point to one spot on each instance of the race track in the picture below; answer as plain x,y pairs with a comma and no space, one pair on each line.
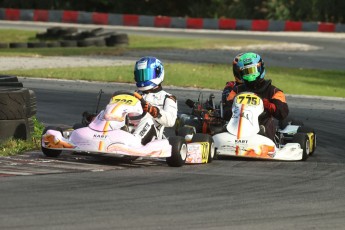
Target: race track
91,193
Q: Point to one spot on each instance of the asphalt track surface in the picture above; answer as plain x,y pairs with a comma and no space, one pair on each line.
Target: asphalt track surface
84,192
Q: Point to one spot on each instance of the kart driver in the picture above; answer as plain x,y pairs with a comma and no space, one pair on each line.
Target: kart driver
251,69
161,107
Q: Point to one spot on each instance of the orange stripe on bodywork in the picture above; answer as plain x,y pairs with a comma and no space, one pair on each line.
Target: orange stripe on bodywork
279,96
105,131
236,151
231,96
100,146
240,123
239,128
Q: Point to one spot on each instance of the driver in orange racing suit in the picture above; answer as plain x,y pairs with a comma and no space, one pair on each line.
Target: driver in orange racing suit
250,67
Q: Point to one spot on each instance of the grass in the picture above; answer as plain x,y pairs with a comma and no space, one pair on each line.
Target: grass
212,76
10,35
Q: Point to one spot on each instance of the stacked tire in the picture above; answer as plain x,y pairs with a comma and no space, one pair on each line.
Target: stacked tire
17,109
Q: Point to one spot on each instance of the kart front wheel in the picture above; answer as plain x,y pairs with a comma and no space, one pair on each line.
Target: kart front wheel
200,137
303,140
51,152
178,152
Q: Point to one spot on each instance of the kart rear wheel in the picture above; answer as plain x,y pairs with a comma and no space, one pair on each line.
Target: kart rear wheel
51,152
308,130
178,152
303,140
200,137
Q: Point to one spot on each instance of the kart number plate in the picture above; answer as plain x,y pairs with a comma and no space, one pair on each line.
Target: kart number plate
124,99
248,99
198,152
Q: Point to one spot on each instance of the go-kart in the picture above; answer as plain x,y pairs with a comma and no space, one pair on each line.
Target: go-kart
242,136
110,133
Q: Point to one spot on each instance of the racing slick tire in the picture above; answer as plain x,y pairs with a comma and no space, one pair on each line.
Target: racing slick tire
309,130
178,152
303,140
200,137
51,152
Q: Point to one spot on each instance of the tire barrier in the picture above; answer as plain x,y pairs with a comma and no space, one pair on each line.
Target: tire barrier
18,106
70,37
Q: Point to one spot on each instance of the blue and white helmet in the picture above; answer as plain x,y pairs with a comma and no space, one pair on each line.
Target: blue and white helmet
148,73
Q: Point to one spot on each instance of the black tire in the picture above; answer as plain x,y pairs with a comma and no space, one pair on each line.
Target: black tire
13,103
16,129
31,104
37,45
117,39
68,43
53,44
53,31
307,129
11,84
18,45
58,32
99,42
178,152
85,43
8,78
303,140
51,152
200,137
96,32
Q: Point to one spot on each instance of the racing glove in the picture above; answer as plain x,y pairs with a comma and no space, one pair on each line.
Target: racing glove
153,110
269,107
147,107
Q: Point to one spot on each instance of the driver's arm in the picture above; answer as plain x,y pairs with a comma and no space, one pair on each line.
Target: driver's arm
228,105
281,107
168,113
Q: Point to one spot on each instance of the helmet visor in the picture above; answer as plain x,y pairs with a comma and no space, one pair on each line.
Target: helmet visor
250,73
141,75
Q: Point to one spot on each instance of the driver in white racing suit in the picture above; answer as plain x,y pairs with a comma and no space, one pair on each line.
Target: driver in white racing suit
161,107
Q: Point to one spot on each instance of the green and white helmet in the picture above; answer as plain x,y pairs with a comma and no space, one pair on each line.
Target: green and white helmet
250,68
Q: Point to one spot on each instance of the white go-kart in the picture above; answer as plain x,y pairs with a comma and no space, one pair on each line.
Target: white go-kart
244,138
110,133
